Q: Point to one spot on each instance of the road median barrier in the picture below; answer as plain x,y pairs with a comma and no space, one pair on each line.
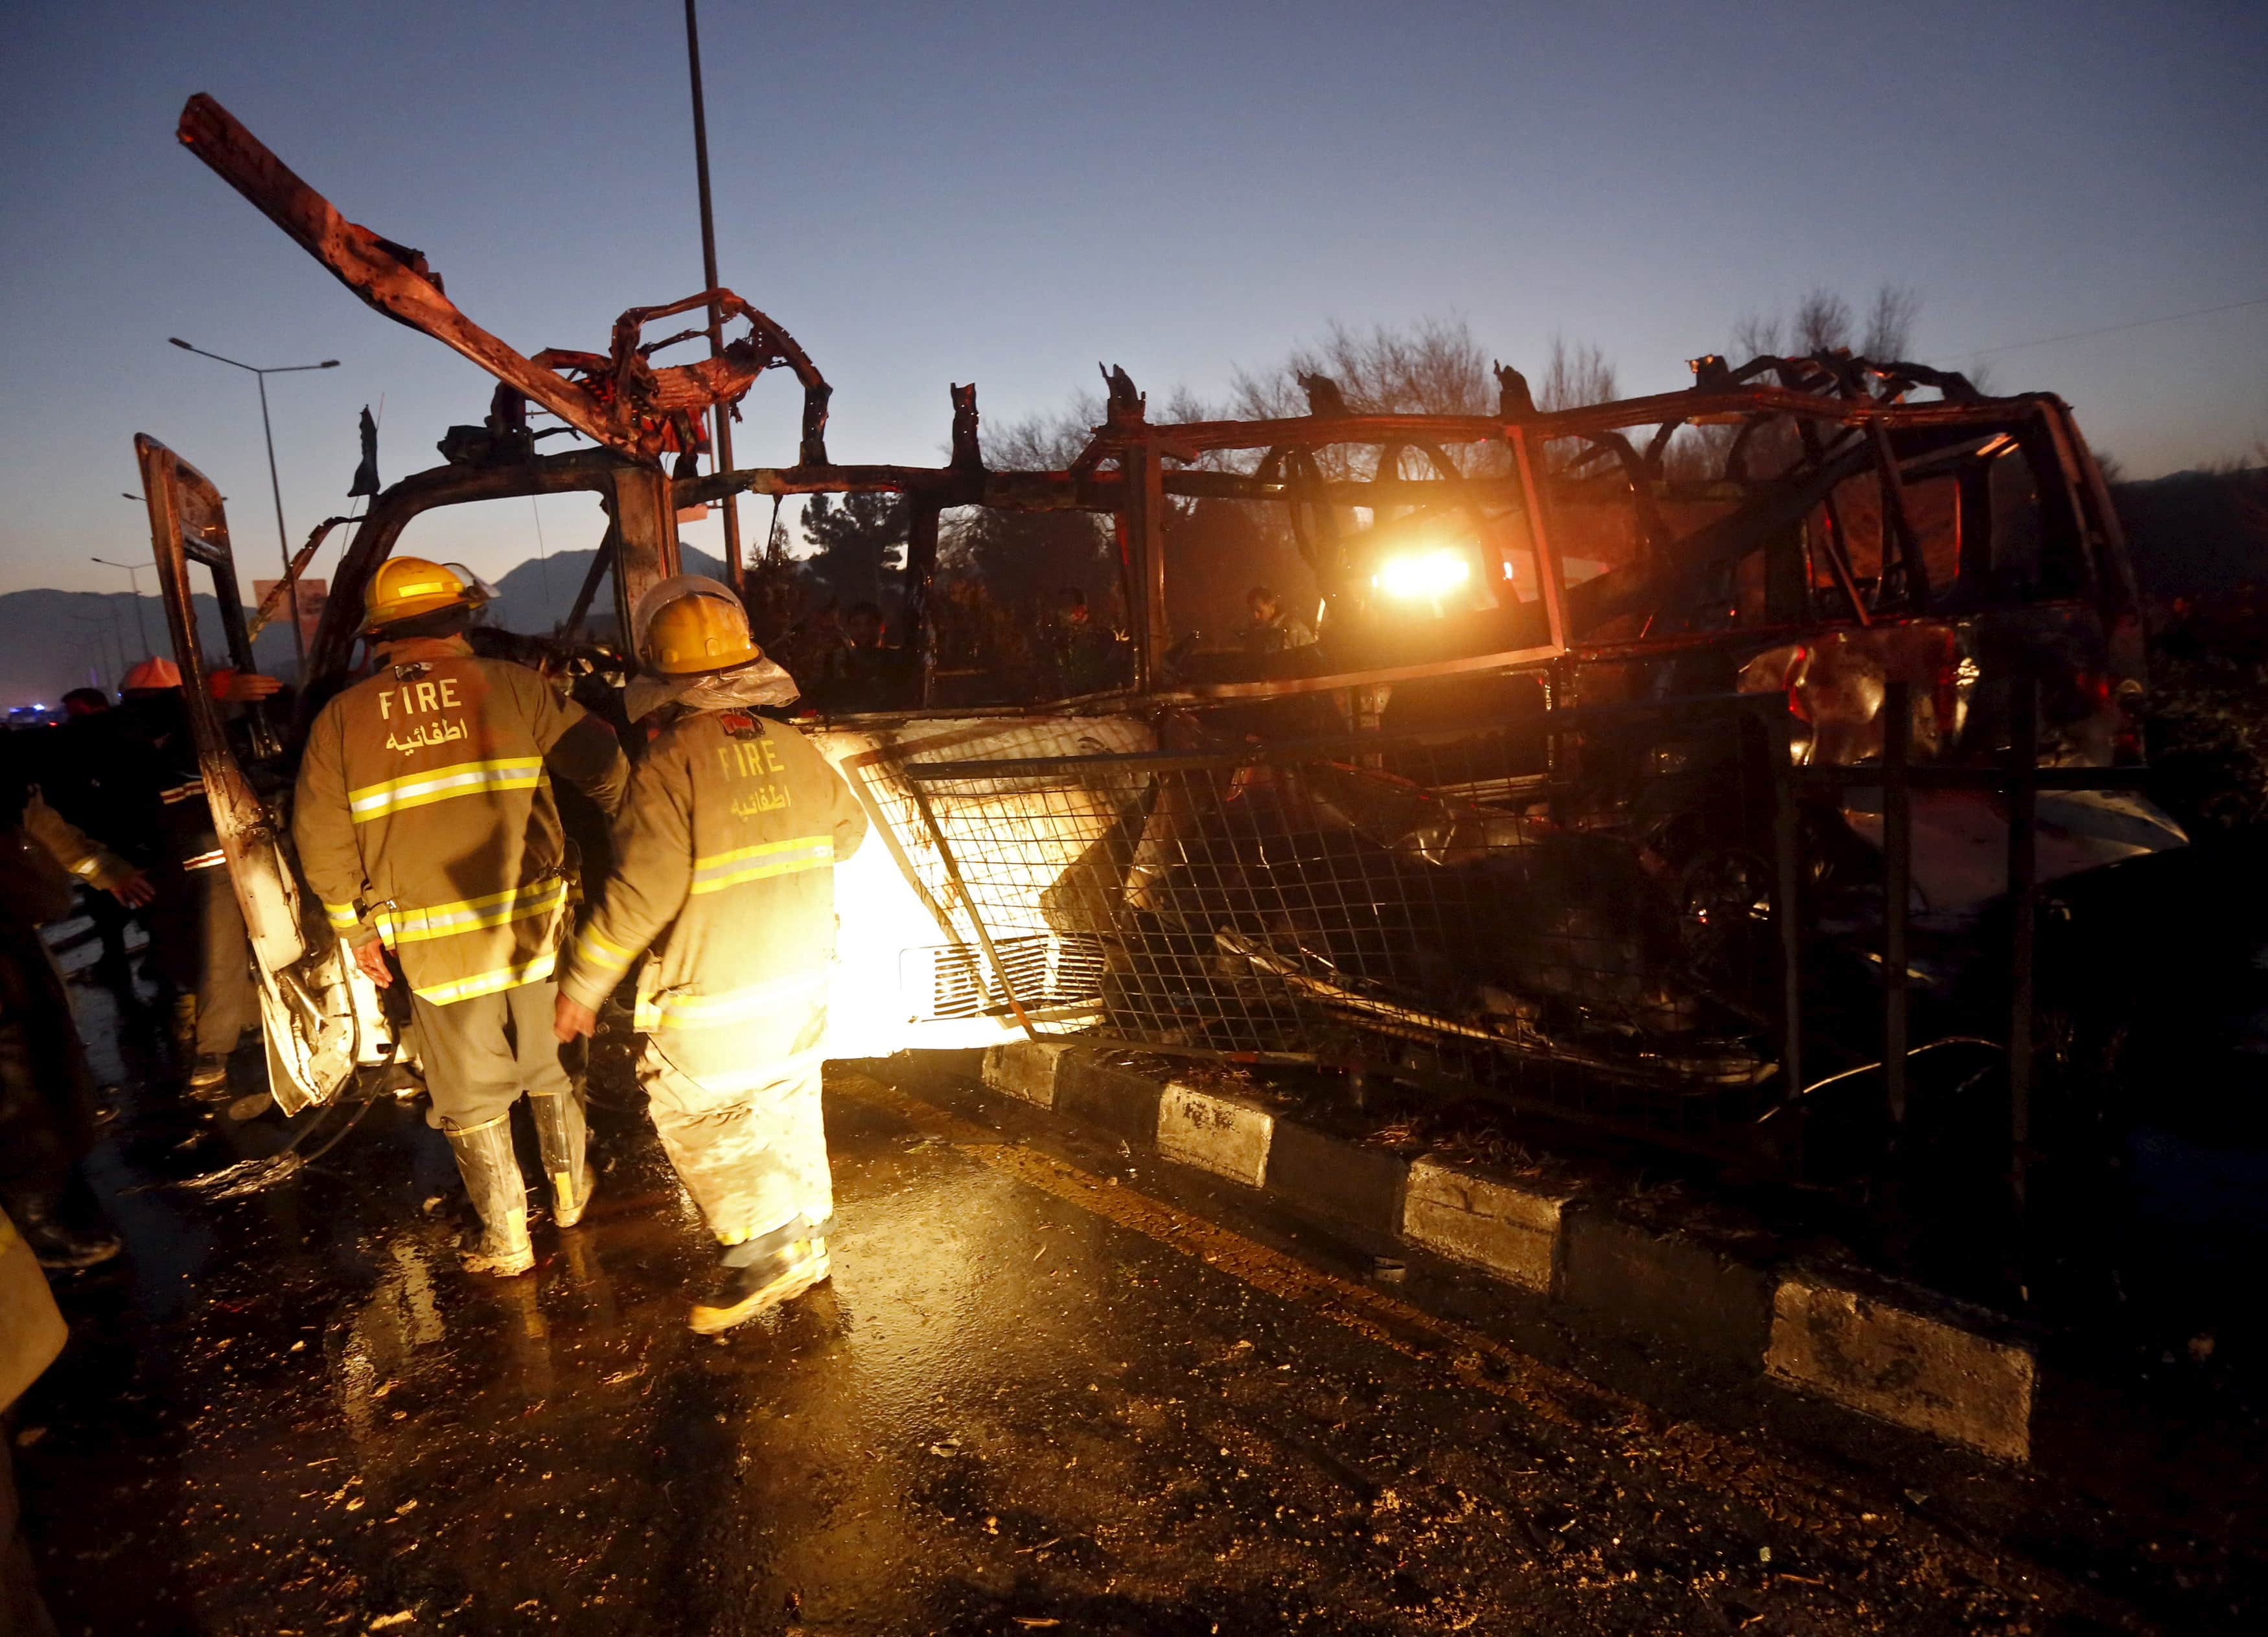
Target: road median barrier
1916,1361
1683,1277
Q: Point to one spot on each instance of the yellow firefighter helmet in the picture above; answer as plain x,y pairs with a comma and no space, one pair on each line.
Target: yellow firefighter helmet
699,631
405,587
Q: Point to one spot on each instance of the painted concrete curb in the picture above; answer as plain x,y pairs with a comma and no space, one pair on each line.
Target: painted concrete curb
1508,1228
1893,1353
1941,1372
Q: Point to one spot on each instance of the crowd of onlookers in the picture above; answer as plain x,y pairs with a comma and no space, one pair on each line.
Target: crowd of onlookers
105,811
109,809
2233,622
987,649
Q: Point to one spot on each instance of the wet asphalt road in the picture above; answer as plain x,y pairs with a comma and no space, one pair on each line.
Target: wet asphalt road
1046,1391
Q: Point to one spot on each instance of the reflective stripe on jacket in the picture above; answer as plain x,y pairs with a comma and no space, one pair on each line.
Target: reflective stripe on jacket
725,860
72,848
425,817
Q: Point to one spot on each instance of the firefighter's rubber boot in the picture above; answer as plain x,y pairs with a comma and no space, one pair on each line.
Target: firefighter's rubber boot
563,1134
485,1160
761,1273
207,1079
58,1243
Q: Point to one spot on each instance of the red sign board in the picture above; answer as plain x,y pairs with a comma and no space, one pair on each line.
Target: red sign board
311,595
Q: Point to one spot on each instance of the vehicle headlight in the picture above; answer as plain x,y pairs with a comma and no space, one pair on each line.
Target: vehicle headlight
1424,575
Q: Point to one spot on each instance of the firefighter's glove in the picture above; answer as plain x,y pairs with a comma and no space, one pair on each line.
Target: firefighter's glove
371,958
571,1020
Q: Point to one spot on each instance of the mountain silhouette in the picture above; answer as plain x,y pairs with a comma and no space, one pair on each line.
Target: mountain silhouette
2197,533
51,640
538,594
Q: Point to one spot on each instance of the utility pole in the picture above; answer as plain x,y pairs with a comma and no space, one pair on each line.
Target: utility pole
721,441
134,579
275,486
103,655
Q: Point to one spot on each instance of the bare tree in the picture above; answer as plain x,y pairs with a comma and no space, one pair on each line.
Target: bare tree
1432,367
1045,442
1051,442
1011,564
1889,324
1757,335
1575,374
1823,321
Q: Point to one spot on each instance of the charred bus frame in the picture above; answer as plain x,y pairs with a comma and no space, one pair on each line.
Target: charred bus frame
1776,565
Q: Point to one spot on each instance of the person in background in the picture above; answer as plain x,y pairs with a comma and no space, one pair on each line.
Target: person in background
865,668
1082,652
72,771
47,1090
1271,630
724,864
197,937
862,628
426,823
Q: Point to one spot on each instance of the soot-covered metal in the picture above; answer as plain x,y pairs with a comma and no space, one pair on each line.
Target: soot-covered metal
1632,738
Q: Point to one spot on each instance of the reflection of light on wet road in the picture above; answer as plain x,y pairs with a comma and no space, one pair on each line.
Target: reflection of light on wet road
399,1317
921,1287
1029,1392
527,1337
867,1443
1478,1360
359,1378
421,1323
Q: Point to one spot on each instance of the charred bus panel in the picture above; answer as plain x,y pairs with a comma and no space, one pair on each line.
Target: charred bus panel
1581,757
322,1017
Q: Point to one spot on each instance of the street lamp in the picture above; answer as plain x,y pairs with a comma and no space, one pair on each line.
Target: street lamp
134,579
282,541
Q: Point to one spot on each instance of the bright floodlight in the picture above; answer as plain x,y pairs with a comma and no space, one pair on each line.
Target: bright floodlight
1425,576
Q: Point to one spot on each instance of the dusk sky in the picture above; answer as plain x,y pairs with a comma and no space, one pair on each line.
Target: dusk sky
1009,193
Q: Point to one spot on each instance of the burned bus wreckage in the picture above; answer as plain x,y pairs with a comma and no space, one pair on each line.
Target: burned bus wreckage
1654,763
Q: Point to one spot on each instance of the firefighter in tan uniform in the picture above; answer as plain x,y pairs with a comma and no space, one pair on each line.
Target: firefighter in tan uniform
724,863
425,823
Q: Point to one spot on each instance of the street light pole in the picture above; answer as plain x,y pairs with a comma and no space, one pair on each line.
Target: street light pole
722,438
275,485
134,579
117,638
102,654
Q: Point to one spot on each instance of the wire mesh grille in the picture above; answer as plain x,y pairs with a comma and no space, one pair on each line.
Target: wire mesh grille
1442,903
878,765
1045,972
